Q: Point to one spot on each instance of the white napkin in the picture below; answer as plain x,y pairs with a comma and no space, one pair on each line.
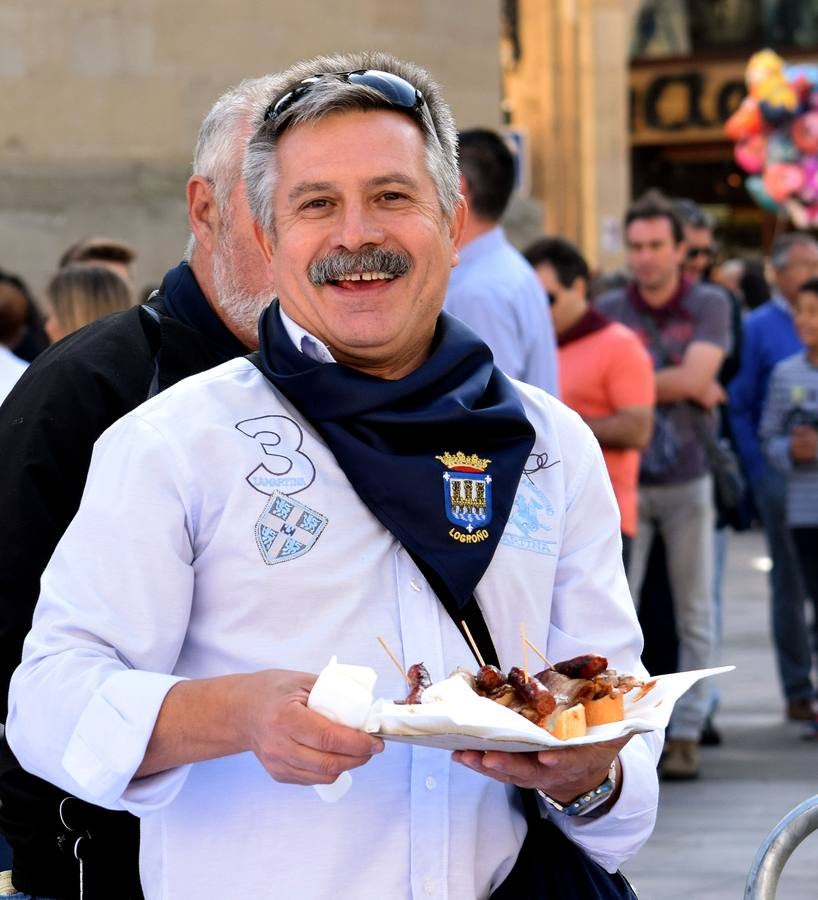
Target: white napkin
342,694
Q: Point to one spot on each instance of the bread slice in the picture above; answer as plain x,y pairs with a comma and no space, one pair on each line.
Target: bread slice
610,708
569,723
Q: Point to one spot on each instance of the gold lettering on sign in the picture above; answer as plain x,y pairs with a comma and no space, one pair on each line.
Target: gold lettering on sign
683,102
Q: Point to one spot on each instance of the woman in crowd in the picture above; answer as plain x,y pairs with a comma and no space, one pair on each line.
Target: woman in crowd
79,294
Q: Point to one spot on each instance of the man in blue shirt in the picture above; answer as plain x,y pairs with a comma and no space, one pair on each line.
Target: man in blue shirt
770,336
493,289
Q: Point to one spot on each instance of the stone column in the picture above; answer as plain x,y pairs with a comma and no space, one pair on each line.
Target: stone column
568,92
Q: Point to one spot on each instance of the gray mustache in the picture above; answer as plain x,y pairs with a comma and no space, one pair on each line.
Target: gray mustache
331,268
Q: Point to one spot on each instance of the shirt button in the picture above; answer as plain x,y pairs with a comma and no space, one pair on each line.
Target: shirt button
429,886
414,585
431,784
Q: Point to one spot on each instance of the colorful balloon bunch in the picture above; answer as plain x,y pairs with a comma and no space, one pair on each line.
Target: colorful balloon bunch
776,133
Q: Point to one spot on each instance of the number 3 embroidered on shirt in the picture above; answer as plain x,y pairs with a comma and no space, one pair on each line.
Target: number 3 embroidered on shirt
286,468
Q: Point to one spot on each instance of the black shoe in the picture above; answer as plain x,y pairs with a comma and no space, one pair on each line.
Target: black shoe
710,736
801,710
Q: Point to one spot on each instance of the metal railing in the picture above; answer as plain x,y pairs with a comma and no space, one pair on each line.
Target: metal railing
778,847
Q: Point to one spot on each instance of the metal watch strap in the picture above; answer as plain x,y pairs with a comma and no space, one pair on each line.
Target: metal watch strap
588,801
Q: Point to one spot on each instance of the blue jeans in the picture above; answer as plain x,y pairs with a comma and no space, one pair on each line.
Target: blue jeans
21,896
719,565
685,517
806,546
18,895
788,612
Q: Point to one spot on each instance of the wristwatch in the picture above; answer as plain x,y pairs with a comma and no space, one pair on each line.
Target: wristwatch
588,801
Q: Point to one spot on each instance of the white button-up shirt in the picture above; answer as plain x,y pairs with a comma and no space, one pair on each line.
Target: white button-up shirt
178,566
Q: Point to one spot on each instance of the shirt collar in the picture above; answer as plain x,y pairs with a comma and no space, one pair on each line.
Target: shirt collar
672,307
782,303
307,343
482,244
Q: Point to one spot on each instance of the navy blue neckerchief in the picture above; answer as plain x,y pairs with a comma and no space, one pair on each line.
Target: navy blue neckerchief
386,436
184,301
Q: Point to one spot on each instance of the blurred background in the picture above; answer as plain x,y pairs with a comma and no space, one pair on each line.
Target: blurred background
100,103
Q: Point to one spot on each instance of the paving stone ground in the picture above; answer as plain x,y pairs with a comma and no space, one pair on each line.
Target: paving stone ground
708,830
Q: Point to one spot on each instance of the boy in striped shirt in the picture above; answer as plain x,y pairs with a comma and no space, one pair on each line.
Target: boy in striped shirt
789,435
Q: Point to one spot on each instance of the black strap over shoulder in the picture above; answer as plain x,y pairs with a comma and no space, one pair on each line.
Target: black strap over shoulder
151,323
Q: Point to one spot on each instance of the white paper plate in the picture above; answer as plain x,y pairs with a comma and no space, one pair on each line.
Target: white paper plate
459,719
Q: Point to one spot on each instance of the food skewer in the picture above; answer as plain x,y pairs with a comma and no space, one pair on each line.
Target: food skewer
524,641
472,643
539,653
394,659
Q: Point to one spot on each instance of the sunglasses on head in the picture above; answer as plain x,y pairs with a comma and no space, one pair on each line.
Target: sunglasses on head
397,91
693,252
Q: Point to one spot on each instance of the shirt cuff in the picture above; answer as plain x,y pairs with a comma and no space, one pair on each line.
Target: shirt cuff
616,836
111,737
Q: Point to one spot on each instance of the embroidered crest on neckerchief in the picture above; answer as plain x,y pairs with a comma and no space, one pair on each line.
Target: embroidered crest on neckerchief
466,495
287,529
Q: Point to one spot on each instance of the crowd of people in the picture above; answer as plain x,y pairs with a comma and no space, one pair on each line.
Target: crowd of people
217,489
93,279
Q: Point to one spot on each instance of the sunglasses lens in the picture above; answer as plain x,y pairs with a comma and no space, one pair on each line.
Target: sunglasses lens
396,90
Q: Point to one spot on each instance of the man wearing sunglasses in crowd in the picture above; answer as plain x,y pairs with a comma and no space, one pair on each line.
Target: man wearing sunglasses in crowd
251,522
698,232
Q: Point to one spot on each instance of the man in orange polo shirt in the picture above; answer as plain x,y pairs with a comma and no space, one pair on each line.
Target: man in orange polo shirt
606,374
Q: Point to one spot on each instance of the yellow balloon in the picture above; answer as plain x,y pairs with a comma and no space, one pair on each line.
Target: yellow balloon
764,66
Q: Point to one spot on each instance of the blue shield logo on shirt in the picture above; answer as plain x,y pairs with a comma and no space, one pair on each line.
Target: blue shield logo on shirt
287,529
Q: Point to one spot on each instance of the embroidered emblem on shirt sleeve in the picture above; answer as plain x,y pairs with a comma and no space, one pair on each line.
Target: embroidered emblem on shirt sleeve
287,529
466,495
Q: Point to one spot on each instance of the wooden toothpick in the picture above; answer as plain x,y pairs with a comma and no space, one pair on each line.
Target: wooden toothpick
394,659
541,655
524,641
471,640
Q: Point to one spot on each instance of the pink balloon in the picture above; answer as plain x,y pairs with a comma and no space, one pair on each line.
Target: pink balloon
782,180
804,132
750,154
809,190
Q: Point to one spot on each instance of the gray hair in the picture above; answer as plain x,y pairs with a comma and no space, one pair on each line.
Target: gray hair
692,215
780,252
329,96
223,136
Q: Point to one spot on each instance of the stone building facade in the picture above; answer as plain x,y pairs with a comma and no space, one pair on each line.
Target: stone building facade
100,102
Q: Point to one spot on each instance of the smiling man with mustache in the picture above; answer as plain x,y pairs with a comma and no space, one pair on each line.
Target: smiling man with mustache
361,475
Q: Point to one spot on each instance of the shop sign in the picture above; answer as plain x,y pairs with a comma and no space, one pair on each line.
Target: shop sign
685,103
